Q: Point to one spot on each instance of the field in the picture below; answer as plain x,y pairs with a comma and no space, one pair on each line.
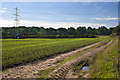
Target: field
20,51
44,62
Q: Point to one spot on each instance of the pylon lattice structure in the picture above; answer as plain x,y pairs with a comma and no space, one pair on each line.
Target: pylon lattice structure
16,17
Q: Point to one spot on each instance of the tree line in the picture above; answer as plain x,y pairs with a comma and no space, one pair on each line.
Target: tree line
41,32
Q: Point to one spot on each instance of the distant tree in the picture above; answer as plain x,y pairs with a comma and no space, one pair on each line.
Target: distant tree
102,30
62,31
10,32
51,31
71,31
42,31
81,30
89,30
117,30
111,30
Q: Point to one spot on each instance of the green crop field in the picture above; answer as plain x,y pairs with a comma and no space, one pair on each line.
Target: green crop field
19,51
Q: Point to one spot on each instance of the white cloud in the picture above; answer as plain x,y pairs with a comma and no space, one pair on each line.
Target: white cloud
97,18
10,23
2,11
6,23
4,8
114,18
108,18
70,19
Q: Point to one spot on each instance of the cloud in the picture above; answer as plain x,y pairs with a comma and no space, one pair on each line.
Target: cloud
70,19
114,18
5,8
6,23
108,18
97,18
56,25
2,11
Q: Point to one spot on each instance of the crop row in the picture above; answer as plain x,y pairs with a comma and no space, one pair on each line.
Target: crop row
21,53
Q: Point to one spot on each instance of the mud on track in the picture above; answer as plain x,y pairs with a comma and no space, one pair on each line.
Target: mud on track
28,70
62,71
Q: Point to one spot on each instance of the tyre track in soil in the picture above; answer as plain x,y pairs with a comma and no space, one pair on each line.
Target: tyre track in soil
28,70
62,71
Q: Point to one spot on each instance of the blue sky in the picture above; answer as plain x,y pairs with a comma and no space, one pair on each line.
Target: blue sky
61,14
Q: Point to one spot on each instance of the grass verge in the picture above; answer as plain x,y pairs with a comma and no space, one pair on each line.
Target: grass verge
106,62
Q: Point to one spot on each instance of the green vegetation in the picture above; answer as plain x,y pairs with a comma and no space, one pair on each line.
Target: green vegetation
41,32
117,30
43,73
119,57
74,56
15,52
106,62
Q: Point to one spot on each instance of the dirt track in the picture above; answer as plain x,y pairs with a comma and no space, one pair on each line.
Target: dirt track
27,71
62,71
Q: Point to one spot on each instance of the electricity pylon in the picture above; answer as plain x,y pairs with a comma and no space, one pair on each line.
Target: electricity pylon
16,17
17,22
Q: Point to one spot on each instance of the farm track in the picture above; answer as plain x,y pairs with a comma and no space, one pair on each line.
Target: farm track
62,71
28,70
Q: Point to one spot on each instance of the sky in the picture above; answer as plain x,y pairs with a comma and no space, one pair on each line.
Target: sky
60,0
60,14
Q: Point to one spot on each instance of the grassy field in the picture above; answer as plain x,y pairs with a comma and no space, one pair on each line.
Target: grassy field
19,51
105,65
